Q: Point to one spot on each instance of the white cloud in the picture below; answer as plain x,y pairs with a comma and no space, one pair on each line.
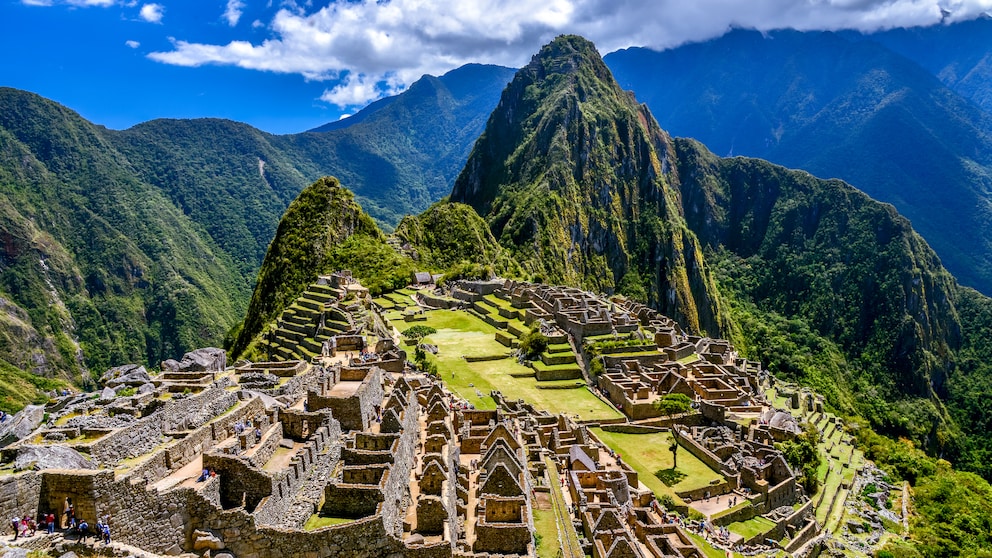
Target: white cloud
233,12
381,46
358,89
132,44
152,13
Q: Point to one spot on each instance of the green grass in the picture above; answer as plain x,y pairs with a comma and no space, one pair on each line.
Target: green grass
499,302
751,527
318,521
462,333
648,454
708,550
687,359
546,528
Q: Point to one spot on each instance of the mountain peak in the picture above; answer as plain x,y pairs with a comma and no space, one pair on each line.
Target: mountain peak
575,179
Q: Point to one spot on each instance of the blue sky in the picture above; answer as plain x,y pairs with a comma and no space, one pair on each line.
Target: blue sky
285,67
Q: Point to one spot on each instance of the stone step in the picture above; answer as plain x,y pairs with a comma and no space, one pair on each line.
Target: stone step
322,298
322,289
310,304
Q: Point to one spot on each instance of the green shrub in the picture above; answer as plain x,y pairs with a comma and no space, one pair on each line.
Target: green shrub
673,404
533,344
418,332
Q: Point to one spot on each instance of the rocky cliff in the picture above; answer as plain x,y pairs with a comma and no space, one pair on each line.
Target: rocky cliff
578,182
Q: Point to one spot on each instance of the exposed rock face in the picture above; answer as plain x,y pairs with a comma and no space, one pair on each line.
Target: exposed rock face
129,374
21,425
579,182
50,457
202,360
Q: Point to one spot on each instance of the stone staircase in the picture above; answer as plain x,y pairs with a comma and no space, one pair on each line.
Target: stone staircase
299,335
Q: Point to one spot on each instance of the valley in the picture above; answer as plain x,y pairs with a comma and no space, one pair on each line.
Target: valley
605,336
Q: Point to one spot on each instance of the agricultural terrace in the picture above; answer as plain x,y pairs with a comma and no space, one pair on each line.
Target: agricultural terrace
461,334
648,454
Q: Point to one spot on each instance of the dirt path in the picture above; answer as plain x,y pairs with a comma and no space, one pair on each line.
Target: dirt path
191,470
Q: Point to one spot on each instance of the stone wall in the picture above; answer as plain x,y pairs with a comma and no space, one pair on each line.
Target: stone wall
19,494
188,448
241,484
355,411
300,488
146,434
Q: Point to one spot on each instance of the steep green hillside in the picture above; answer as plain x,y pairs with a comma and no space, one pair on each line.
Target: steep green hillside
226,176
959,54
140,244
850,109
401,156
849,267
323,230
576,181
99,267
448,234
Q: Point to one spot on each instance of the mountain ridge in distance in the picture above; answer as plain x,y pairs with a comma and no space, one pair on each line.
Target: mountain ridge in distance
837,108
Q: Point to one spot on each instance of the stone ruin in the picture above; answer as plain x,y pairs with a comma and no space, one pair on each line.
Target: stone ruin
347,455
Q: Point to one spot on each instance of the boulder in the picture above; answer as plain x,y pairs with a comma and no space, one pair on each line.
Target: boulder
107,395
209,359
170,365
146,388
203,540
21,425
118,372
50,457
134,378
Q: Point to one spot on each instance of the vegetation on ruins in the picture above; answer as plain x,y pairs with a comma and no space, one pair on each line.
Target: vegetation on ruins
673,404
418,332
533,344
803,455
324,229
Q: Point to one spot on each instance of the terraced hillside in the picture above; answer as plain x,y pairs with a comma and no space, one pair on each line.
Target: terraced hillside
841,459
313,318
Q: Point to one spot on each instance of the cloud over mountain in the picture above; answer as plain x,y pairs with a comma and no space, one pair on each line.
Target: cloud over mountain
377,48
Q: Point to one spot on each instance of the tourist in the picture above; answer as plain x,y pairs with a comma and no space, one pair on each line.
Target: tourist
30,525
84,529
65,511
106,533
50,522
15,522
204,475
258,435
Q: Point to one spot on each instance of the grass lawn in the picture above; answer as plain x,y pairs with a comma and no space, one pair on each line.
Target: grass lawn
547,530
751,527
317,521
708,550
648,453
463,334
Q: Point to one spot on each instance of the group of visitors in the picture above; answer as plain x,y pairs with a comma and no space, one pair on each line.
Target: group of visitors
27,526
